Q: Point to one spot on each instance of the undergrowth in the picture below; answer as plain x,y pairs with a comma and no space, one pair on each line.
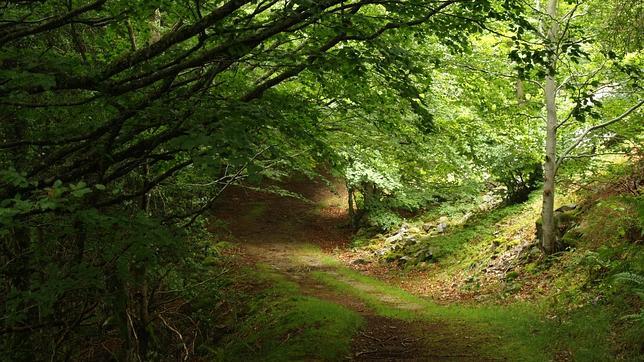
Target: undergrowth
520,332
281,324
587,300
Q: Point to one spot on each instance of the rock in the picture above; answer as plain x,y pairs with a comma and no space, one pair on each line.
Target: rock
403,260
443,219
566,208
399,234
441,227
570,238
413,230
384,251
397,247
394,238
565,218
424,255
427,227
410,240
360,261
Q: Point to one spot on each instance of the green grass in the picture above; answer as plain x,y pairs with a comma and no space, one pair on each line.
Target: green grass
482,227
283,325
519,332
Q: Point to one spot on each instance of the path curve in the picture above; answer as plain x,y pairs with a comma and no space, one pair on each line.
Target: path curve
278,231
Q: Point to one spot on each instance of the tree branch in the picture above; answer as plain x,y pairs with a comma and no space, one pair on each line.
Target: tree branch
581,138
57,22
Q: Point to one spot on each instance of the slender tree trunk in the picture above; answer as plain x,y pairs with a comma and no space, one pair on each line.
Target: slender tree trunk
142,295
549,236
352,213
520,92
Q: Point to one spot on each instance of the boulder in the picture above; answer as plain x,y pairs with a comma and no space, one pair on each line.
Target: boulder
399,234
565,219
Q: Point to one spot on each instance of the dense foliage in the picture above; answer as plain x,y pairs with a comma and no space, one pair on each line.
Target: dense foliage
121,122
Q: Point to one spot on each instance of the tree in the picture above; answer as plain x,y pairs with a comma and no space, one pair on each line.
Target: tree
558,57
122,122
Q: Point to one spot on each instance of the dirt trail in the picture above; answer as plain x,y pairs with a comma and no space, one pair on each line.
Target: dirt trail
277,231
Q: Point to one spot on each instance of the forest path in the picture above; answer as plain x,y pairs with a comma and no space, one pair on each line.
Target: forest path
293,237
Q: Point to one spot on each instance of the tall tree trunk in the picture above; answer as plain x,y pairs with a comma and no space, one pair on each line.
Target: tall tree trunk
352,213
550,169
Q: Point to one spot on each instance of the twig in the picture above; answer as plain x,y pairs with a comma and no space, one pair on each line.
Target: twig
581,138
185,348
366,352
370,337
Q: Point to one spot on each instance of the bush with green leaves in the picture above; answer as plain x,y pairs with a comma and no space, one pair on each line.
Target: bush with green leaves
122,122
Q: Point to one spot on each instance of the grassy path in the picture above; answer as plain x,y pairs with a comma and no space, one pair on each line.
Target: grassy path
393,325
318,309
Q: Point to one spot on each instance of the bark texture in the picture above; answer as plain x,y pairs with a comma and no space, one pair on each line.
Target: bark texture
550,164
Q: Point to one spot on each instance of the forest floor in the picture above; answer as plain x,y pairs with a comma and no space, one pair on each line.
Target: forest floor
296,238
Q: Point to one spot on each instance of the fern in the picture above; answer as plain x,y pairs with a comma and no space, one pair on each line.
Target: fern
628,277
637,282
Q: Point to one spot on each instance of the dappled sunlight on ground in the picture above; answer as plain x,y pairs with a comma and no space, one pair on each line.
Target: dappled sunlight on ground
253,217
297,239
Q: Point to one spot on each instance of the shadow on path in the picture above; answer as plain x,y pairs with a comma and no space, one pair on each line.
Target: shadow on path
285,233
